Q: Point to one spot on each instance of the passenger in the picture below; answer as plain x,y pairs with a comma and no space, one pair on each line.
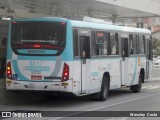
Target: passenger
3,53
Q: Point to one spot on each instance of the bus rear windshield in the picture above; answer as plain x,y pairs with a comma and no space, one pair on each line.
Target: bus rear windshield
49,37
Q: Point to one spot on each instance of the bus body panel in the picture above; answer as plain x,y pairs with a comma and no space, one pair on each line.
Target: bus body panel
24,81
135,65
103,65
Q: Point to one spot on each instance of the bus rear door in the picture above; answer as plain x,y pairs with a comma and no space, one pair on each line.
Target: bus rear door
125,60
149,56
84,40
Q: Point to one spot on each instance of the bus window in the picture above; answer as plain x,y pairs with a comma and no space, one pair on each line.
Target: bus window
85,47
134,44
48,37
141,45
131,44
150,49
147,48
114,46
93,44
75,43
101,43
137,44
124,47
144,40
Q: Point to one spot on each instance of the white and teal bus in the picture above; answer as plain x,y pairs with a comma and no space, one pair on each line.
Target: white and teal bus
82,58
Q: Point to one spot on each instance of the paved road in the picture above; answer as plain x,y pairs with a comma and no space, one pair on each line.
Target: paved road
119,100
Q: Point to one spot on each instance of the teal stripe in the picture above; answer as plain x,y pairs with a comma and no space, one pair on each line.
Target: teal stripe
135,69
16,69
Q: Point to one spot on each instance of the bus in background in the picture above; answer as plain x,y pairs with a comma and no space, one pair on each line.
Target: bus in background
82,58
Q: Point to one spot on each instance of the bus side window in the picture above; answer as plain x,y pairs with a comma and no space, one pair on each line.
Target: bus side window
144,40
150,48
141,45
131,44
75,43
93,44
134,44
147,47
101,43
124,47
138,49
84,47
114,46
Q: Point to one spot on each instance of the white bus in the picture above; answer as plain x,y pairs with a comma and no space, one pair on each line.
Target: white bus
82,58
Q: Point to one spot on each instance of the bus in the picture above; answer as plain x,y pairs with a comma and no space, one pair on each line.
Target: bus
77,57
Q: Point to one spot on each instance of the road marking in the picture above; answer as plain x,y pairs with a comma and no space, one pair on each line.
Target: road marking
151,87
122,118
144,87
107,106
122,102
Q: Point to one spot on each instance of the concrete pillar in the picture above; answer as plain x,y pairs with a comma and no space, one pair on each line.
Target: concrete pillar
91,13
10,6
139,22
53,10
114,18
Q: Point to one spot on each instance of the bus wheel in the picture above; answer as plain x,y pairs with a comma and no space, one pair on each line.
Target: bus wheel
104,90
103,94
137,88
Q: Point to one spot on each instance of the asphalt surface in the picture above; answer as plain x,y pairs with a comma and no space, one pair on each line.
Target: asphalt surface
119,100
119,105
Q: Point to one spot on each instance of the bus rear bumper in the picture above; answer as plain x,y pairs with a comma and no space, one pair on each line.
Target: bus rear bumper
39,86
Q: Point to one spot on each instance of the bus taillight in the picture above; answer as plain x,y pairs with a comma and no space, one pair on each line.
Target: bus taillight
9,70
14,22
65,74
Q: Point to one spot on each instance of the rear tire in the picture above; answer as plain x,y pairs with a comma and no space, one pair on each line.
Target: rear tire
137,88
103,94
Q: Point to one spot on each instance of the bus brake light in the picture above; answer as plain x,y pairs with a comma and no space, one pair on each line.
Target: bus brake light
37,46
63,23
13,22
65,74
9,70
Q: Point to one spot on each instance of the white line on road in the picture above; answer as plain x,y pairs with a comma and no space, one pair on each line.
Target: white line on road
123,102
107,106
144,87
150,88
122,118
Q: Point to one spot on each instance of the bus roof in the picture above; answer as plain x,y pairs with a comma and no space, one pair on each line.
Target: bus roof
116,28
83,24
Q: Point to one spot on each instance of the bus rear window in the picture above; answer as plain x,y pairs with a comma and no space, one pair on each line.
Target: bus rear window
45,36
